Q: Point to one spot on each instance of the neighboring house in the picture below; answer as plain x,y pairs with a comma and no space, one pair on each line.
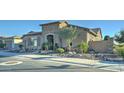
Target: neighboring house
32,41
2,42
13,43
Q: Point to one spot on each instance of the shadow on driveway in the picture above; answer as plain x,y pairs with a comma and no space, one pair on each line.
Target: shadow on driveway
59,67
113,62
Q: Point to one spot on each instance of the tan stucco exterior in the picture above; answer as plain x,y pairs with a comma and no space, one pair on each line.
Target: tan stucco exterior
85,35
92,36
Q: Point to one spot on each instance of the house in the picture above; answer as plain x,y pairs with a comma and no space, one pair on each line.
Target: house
49,34
35,40
13,43
2,42
32,40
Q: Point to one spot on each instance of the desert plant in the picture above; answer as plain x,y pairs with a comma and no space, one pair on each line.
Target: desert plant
60,50
120,51
120,37
68,34
45,46
83,47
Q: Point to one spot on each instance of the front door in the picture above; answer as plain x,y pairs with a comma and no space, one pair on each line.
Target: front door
50,40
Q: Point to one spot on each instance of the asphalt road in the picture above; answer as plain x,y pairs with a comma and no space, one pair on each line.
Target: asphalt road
45,63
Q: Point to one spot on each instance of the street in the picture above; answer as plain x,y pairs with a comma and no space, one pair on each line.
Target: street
15,62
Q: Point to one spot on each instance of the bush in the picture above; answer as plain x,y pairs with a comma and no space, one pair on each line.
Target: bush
2,45
120,51
60,50
45,46
20,47
83,47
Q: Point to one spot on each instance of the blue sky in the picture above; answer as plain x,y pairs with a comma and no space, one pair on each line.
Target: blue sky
20,27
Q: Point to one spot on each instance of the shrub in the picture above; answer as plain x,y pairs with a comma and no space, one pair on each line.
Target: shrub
2,45
83,47
45,46
20,46
120,51
60,50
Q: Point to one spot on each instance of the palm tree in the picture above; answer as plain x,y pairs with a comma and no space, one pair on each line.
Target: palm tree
69,34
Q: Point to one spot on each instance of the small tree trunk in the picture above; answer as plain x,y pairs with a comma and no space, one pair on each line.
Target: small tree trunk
69,47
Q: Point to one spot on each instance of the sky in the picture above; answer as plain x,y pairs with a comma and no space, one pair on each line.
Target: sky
20,27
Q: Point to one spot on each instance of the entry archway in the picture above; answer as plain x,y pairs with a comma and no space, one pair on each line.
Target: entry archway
50,40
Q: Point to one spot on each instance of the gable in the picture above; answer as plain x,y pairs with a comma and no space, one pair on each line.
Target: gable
55,26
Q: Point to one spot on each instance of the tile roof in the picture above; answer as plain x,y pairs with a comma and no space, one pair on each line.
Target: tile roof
31,33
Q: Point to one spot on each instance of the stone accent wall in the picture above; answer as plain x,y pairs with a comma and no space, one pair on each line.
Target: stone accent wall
52,29
102,46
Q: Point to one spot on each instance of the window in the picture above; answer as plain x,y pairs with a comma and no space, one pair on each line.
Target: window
34,41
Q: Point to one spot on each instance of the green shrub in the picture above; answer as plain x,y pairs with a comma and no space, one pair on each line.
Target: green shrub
45,46
83,47
20,46
60,50
2,45
120,51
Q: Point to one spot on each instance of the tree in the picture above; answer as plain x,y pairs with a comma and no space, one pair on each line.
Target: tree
69,34
120,37
107,37
120,51
83,47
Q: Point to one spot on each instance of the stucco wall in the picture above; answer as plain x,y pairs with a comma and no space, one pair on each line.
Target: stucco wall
27,42
83,35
